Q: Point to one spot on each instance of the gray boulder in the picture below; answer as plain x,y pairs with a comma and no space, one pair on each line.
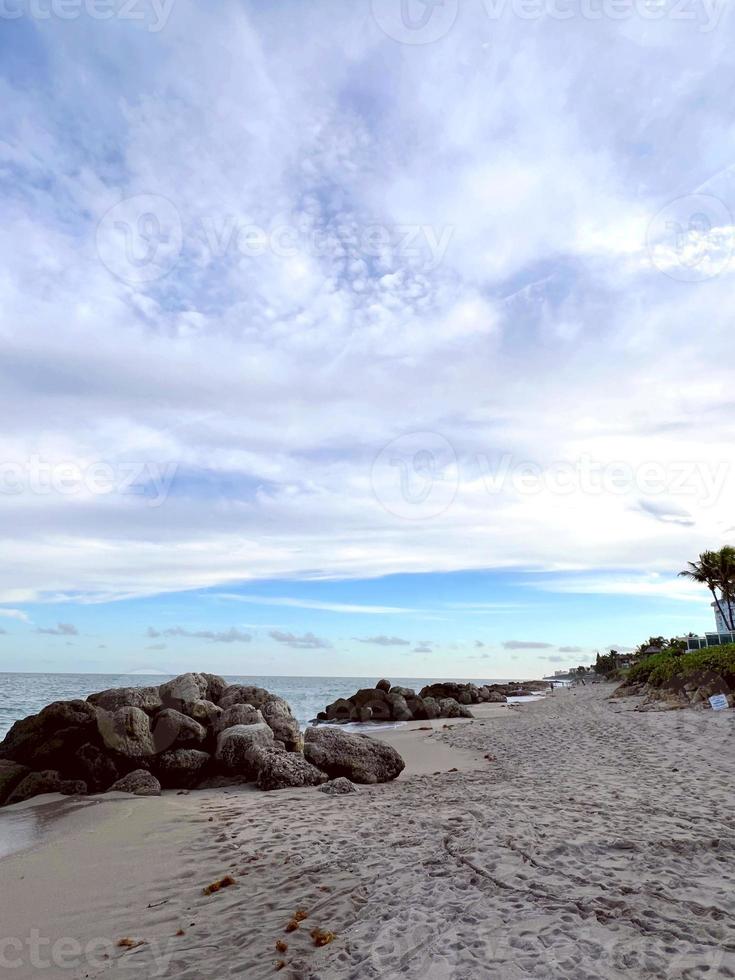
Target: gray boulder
449,708
147,699
205,712
127,731
281,770
183,690
407,692
38,783
383,685
375,699
495,697
398,708
140,783
243,694
181,768
358,757
432,708
96,768
238,714
279,717
338,787
235,748
343,710
11,773
30,734
174,730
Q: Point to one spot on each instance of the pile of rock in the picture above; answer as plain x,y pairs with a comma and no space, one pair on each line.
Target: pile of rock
194,730
386,702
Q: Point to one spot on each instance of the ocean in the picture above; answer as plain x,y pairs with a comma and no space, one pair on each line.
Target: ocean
26,694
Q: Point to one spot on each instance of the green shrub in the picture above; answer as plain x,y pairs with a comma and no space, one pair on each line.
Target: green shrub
719,660
640,672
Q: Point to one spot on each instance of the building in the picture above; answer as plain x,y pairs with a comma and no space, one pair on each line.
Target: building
729,610
723,632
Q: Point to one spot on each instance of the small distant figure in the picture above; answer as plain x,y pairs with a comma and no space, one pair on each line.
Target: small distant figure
551,687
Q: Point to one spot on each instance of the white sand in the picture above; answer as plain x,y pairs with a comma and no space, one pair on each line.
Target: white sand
599,842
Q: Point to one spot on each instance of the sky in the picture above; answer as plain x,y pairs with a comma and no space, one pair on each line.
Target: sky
361,338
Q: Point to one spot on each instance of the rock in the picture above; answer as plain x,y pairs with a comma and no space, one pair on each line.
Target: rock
183,690
279,717
280,770
338,787
174,730
59,752
461,693
383,685
127,731
97,770
431,708
358,757
374,698
205,712
416,706
37,783
238,714
216,687
140,783
406,692
495,697
235,748
29,734
449,708
11,773
343,710
181,768
243,694
147,699
398,708
365,713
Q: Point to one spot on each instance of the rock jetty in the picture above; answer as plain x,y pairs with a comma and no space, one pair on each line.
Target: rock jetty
387,702
195,730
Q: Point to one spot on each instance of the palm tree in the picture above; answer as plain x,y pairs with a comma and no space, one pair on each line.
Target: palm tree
716,570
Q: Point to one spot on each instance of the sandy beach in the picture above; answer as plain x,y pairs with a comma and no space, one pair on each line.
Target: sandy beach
571,837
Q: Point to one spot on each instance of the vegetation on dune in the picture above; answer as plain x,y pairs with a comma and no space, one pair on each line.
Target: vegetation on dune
660,668
718,660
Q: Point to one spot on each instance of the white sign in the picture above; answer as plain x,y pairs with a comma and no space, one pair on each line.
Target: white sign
719,702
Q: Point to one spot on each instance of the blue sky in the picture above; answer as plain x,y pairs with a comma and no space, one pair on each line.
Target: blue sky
340,341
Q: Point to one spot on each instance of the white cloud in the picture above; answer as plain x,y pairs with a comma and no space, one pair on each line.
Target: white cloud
540,325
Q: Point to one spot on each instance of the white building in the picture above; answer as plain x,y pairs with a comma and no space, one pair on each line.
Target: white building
722,626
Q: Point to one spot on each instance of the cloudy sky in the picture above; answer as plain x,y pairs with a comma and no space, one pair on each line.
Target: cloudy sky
347,338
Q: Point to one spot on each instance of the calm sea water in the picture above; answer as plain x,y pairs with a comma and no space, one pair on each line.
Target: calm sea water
25,694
